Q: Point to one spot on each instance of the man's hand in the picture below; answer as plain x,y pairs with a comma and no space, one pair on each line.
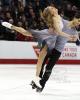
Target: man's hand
78,42
73,38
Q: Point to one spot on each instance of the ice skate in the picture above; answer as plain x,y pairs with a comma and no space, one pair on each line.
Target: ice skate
34,86
35,83
6,24
38,89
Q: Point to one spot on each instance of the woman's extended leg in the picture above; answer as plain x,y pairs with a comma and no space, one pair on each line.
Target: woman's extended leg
16,28
21,30
41,57
42,54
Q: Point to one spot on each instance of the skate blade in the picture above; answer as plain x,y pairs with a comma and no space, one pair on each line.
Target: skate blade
33,85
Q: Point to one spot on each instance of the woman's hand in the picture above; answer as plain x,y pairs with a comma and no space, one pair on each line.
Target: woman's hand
75,22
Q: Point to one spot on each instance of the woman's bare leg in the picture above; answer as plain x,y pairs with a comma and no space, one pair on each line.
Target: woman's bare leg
40,60
16,28
21,31
42,53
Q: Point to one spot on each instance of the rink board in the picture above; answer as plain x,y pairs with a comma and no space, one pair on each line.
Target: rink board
16,52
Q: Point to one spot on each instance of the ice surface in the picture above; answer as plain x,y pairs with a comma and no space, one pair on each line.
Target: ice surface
64,83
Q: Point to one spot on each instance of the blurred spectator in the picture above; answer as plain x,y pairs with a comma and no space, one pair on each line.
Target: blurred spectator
27,14
8,16
68,11
6,2
23,2
37,7
20,24
33,19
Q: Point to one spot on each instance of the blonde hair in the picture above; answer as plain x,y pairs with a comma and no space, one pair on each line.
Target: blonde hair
74,22
48,17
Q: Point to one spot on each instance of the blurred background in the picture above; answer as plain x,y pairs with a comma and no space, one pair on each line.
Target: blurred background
26,13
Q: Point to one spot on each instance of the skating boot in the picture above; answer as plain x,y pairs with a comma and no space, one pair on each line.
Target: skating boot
38,89
35,83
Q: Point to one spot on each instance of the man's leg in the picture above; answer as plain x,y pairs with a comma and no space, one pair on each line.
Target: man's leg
52,61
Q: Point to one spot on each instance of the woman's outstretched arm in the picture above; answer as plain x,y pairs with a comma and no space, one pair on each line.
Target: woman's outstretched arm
75,22
59,31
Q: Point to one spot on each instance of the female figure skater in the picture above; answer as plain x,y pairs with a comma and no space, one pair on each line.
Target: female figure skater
54,37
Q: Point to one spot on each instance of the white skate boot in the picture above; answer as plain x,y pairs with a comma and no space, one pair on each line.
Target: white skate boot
35,83
6,24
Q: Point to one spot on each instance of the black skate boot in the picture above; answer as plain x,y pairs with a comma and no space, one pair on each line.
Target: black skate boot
38,89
